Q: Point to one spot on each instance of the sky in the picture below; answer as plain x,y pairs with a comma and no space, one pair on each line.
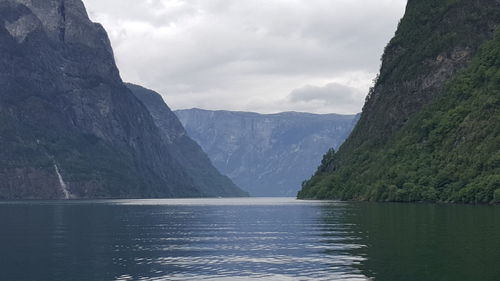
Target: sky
266,56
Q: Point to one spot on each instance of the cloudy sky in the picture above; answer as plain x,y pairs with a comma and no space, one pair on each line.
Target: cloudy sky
253,55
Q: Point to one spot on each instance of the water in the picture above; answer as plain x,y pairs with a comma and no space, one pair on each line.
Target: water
247,239
64,187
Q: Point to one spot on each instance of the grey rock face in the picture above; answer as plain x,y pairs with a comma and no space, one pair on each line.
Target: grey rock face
63,104
184,150
64,20
267,155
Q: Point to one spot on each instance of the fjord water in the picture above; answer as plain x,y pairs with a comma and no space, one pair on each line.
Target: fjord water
247,239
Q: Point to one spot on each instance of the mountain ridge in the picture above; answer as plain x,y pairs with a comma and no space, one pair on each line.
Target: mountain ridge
266,154
302,113
438,44
68,124
185,151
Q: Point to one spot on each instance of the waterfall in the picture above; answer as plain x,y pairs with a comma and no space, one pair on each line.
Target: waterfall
64,187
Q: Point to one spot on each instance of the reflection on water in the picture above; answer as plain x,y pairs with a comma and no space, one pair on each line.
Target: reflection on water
414,242
244,239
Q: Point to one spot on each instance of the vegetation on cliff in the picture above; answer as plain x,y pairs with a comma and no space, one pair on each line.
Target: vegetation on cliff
445,146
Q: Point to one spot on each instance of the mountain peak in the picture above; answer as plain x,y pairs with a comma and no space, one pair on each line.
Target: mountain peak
64,21
70,128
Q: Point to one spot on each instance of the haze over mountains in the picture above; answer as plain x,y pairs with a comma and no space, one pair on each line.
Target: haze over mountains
266,155
69,126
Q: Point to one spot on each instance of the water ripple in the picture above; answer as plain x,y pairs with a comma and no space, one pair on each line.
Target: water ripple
216,239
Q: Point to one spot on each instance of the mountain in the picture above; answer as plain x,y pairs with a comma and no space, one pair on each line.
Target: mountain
183,149
430,128
267,155
69,126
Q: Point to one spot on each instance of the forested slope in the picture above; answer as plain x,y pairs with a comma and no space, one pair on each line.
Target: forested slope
429,130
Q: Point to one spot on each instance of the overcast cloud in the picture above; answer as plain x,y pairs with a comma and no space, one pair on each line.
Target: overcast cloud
254,55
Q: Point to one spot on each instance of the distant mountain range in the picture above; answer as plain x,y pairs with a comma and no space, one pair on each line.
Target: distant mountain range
266,155
69,126
183,149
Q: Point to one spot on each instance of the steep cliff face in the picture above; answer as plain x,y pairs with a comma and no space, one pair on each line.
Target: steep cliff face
69,127
184,150
434,41
411,143
267,155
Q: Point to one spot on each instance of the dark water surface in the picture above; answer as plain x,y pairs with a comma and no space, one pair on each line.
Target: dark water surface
247,239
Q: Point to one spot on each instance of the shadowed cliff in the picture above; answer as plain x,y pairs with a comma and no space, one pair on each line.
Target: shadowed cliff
69,127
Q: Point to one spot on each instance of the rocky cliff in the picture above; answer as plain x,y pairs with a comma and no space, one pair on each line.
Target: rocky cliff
267,155
69,127
429,128
183,149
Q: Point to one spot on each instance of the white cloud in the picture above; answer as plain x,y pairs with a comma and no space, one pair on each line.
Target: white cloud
340,98
249,54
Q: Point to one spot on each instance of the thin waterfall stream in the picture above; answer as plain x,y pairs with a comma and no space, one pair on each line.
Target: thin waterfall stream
64,187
